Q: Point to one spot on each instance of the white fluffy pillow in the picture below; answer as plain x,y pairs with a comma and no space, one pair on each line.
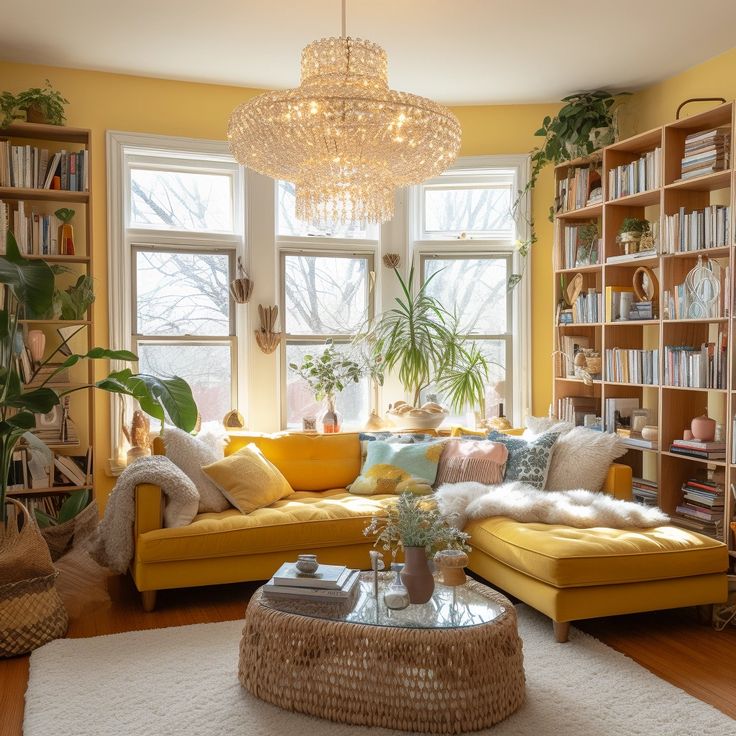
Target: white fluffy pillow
536,426
581,458
190,453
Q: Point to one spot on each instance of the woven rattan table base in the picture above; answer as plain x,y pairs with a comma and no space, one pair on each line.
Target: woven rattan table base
415,679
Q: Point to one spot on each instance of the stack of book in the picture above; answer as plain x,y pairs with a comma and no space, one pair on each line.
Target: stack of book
645,491
702,506
574,409
706,152
638,176
31,167
692,367
335,583
702,450
574,191
697,230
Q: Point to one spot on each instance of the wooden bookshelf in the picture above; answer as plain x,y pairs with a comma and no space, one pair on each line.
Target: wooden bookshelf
672,406
82,402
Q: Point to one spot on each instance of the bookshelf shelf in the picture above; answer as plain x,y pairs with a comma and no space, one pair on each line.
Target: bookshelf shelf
671,408
76,416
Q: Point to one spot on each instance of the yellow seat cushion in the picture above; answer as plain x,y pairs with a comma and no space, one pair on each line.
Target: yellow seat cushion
567,557
302,522
309,462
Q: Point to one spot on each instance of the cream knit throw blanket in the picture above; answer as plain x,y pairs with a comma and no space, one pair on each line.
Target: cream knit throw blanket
460,502
112,544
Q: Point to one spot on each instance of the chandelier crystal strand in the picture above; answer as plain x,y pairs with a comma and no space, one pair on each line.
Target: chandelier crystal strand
343,137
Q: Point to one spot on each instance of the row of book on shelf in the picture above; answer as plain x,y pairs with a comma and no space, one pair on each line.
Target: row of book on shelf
645,491
31,167
710,300
706,151
629,365
689,366
37,233
27,474
697,230
574,409
638,176
588,308
580,188
578,250
330,583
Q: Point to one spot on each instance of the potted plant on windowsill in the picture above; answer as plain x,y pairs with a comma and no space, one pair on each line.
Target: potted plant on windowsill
414,525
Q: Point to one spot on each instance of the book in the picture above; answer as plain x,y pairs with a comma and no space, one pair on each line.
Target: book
698,445
698,453
325,594
326,577
640,443
632,256
70,470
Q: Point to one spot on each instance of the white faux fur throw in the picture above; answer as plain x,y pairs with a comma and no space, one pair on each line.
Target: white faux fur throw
459,502
112,543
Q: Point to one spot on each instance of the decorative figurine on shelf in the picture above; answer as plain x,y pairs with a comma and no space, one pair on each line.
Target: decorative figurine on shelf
66,231
376,566
703,428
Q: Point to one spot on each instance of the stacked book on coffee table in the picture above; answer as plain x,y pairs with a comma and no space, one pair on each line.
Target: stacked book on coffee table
329,583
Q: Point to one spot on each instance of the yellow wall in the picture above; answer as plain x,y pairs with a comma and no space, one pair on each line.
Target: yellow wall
102,102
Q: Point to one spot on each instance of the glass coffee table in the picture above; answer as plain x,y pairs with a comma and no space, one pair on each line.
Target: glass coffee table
447,666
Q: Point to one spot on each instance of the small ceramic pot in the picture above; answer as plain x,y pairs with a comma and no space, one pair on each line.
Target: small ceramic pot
703,428
650,433
416,575
307,564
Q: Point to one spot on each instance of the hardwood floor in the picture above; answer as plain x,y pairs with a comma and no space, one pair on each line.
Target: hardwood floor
671,644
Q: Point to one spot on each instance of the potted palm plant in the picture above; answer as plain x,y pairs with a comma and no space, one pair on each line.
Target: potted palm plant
29,286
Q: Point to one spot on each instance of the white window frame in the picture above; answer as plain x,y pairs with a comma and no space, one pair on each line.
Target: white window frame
154,152
469,169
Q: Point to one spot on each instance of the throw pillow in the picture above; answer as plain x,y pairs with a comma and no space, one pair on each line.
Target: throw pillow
536,426
396,468
482,462
404,438
189,454
248,480
581,459
528,461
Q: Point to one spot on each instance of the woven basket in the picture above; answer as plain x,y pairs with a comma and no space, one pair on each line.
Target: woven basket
31,611
62,537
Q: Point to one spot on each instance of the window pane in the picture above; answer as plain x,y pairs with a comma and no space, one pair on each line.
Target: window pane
480,211
181,200
290,226
498,388
325,295
475,288
206,368
353,403
183,293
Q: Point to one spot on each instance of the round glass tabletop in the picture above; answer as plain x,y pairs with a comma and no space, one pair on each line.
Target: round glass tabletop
449,608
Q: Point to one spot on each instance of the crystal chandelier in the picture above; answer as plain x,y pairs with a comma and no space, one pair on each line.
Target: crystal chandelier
343,137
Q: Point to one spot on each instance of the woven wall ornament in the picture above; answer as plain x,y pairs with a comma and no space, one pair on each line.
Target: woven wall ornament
242,287
703,287
391,260
266,336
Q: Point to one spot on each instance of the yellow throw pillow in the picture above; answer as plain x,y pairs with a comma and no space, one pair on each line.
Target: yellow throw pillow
248,480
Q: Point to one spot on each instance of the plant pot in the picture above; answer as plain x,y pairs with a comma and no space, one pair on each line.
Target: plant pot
629,241
331,420
34,114
416,575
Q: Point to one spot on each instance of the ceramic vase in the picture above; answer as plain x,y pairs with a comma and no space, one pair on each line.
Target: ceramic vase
416,575
36,344
330,418
703,428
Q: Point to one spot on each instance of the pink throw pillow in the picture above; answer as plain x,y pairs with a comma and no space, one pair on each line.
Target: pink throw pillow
481,461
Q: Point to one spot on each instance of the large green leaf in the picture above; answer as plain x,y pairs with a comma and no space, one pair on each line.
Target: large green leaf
39,401
32,282
74,503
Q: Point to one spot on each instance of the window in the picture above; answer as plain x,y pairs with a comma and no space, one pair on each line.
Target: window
464,231
325,296
176,231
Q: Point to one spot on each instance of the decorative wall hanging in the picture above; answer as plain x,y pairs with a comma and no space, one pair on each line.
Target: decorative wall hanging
242,287
343,137
266,336
233,420
391,260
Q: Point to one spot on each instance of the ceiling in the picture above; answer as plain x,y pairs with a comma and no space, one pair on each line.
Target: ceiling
456,51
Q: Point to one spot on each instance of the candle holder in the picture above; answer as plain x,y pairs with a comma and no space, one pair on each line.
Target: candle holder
376,566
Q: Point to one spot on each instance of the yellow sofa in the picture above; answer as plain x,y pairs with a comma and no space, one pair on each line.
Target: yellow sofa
566,573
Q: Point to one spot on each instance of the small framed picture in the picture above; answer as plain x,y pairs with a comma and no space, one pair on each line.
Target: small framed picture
52,420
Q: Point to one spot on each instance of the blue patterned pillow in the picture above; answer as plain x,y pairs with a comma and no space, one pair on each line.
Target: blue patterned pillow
528,460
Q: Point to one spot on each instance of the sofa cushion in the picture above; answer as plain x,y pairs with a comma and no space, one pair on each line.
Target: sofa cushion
567,557
309,462
303,522
482,461
527,461
248,480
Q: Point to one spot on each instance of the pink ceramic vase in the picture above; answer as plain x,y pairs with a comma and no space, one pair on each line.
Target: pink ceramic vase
416,575
703,428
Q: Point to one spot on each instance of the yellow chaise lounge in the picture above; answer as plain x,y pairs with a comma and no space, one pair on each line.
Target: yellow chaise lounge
566,573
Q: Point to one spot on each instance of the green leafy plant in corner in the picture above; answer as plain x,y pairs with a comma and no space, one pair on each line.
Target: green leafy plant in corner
634,225
413,521
569,134
44,102
29,286
72,505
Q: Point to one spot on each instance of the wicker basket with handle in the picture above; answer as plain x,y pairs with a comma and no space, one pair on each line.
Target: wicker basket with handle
31,611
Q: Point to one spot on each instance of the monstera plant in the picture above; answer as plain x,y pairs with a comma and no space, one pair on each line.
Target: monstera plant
29,291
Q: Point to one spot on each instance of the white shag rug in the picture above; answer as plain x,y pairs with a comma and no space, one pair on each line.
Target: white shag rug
182,681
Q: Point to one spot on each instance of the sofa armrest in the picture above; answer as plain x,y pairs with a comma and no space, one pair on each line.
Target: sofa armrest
149,509
618,482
